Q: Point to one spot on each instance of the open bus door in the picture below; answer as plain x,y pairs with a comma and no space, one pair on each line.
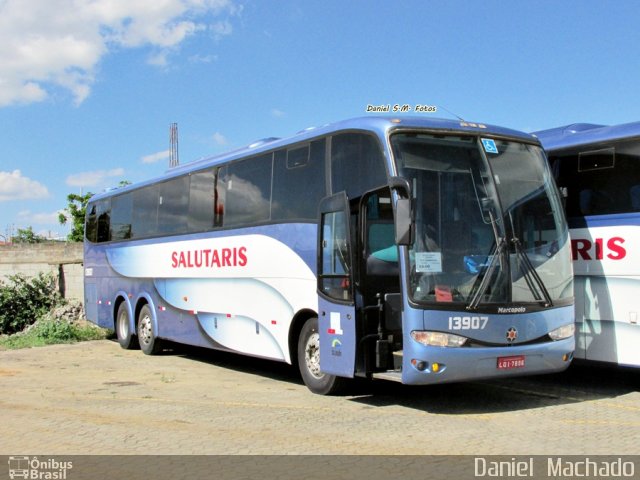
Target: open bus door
336,315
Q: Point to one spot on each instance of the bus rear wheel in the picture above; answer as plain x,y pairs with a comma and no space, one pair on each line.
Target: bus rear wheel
309,362
150,344
124,332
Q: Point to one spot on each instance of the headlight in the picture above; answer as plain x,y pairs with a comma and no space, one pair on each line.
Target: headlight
565,331
438,339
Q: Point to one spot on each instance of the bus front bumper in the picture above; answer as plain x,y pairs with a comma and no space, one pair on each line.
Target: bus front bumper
429,365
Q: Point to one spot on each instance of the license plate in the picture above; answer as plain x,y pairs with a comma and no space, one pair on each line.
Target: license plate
507,363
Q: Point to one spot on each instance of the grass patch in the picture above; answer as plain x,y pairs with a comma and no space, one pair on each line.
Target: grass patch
48,331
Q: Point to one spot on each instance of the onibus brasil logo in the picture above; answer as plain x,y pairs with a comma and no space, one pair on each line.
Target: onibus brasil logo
34,468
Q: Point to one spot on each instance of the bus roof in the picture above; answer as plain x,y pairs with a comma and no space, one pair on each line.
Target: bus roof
584,134
378,124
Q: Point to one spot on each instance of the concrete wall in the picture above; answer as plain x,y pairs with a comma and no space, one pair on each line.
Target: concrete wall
62,259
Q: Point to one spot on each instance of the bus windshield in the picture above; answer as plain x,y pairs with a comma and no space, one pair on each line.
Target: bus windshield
489,227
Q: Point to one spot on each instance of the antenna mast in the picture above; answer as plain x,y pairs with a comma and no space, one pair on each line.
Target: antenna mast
174,161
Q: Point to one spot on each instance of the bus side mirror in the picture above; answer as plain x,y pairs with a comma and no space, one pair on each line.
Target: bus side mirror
401,186
403,223
403,213
487,209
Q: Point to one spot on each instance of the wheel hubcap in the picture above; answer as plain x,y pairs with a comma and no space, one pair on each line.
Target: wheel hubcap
145,331
312,355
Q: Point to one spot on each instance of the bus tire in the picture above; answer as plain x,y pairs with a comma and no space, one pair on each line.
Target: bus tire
124,332
309,362
150,344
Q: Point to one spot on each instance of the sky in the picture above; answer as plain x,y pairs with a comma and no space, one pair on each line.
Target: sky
89,88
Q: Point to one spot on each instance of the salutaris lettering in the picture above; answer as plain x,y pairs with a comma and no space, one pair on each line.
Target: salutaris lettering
210,258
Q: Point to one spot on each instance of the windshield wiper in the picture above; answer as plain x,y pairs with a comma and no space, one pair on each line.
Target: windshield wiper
488,274
531,276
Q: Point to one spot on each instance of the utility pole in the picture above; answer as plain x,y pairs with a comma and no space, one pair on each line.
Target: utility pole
174,161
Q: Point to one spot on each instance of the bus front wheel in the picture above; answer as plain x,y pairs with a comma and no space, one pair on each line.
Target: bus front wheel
309,362
124,332
149,342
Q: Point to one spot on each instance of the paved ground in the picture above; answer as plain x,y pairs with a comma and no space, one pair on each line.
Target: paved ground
95,398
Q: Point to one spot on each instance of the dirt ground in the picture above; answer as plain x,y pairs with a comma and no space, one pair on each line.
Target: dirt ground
95,398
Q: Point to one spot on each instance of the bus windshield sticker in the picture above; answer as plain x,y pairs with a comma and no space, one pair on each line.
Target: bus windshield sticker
443,293
429,262
489,145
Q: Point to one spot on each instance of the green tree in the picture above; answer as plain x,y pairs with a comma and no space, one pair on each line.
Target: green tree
75,211
27,235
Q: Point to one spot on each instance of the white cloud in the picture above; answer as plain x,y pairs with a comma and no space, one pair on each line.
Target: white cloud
156,157
158,59
219,139
58,43
203,58
92,179
277,113
13,186
221,29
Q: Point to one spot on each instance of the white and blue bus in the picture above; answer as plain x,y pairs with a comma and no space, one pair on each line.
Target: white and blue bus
598,169
415,250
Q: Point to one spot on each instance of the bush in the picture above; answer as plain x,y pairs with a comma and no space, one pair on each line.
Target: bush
50,329
55,330
64,324
23,300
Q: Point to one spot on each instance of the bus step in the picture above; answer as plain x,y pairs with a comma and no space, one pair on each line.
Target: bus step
390,375
397,361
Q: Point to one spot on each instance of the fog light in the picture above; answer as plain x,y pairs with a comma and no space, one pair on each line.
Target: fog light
435,367
420,365
567,357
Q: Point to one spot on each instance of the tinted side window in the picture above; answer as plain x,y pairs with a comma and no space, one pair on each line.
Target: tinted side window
121,211
357,164
173,206
246,191
103,212
600,181
145,211
91,223
202,197
298,182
